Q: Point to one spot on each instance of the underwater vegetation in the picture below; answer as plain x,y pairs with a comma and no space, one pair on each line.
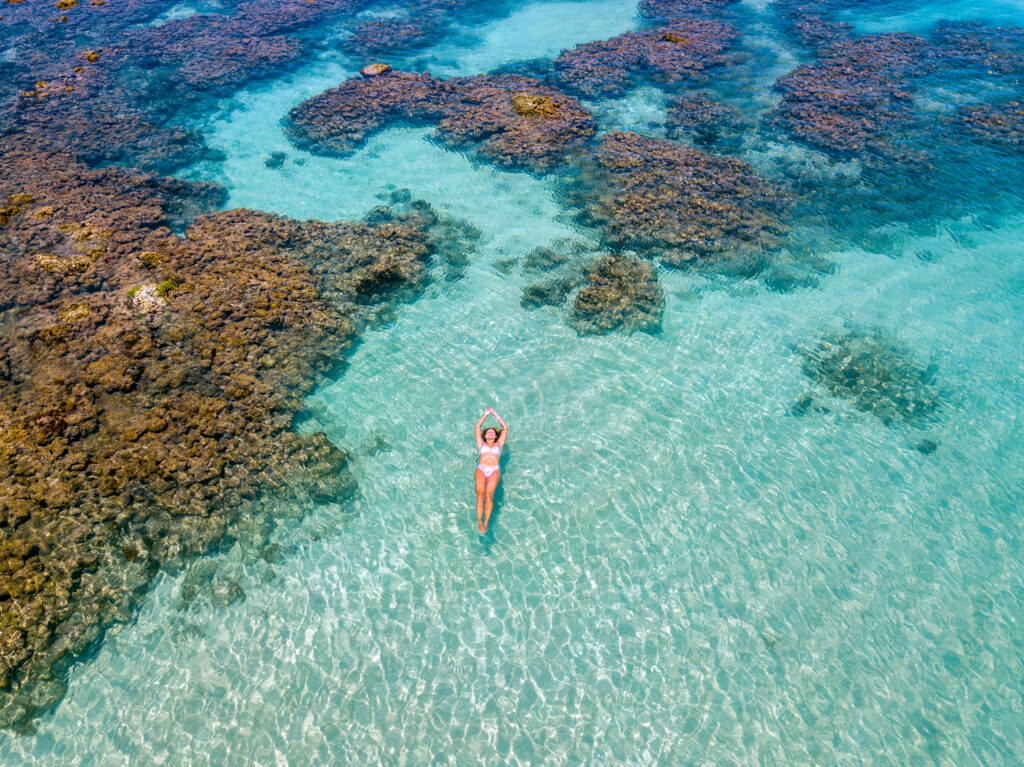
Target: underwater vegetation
874,372
513,121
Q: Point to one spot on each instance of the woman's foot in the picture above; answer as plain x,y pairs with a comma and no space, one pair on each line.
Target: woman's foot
480,526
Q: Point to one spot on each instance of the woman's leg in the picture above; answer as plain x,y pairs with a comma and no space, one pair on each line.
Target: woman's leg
490,486
481,486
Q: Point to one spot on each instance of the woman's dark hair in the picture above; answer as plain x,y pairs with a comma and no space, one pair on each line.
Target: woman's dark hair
495,429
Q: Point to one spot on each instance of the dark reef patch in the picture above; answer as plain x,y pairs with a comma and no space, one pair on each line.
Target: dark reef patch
680,52
874,372
622,294
677,203
662,11
149,383
513,121
860,98
855,100
698,119
126,96
393,37
552,291
999,124
415,24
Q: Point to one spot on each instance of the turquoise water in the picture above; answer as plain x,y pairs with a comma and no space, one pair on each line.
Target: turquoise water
680,570
918,17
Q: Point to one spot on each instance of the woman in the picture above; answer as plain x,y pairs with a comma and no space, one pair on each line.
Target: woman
488,472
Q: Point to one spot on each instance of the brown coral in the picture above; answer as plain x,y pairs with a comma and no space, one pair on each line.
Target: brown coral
856,97
677,202
680,52
158,432
513,121
527,105
671,10
698,119
623,293
1000,124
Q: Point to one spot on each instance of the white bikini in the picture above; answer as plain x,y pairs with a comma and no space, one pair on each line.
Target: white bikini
490,450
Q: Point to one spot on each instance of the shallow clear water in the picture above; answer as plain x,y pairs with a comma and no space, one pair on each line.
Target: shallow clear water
918,16
679,572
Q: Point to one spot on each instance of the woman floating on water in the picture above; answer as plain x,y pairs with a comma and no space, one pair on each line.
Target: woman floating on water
488,473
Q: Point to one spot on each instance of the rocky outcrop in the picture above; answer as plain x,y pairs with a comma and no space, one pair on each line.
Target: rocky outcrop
513,121
680,52
876,373
677,203
622,294
148,384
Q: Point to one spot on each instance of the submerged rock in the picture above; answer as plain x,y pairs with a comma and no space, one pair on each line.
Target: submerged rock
137,431
698,119
514,121
275,160
225,592
372,70
623,293
875,373
678,203
551,292
679,52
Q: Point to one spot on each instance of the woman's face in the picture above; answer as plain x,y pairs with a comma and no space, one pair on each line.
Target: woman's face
490,435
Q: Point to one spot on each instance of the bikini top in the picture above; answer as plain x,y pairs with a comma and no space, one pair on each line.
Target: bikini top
492,449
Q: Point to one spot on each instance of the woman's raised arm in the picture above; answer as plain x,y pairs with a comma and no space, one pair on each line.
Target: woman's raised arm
476,429
504,429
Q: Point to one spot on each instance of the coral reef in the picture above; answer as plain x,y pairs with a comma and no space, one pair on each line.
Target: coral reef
118,102
877,374
858,98
147,399
551,292
811,23
662,11
980,50
623,293
513,121
855,99
698,119
15,204
679,52
1000,124
375,37
678,203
